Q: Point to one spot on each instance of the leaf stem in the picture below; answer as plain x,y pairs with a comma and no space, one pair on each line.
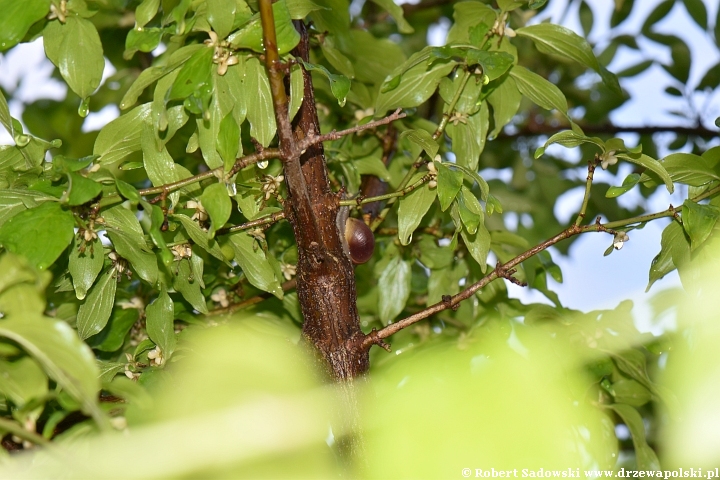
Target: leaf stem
588,184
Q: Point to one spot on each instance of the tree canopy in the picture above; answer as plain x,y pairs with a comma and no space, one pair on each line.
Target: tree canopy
191,273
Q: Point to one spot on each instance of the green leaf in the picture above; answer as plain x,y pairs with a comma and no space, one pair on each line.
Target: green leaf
586,17
468,139
630,392
146,78
297,91
217,203
484,188
145,12
699,221
16,19
160,167
40,234
228,141
199,237
717,33
93,315
422,139
627,185
112,337
505,102
221,15
623,8
128,239
494,64
22,380
80,56
81,190
681,56
674,250
690,169
194,74
121,137
188,283
711,78
65,358
652,165
144,40
14,201
478,244
393,289
208,125
250,36
84,267
448,185
396,12
471,212
413,208
559,40
5,118
336,58
160,323
260,112
300,9
467,15
636,69
339,84
372,165
254,264
538,90
644,455
658,14
416,84
698,12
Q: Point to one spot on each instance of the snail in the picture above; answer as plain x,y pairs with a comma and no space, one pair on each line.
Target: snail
357,238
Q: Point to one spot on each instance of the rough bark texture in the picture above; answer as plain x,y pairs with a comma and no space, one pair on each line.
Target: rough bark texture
326,280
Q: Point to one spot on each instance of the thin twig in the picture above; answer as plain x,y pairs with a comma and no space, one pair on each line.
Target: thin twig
399,193
267,220
312,138
248,302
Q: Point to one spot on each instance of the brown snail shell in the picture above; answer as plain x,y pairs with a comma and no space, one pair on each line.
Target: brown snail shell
360,240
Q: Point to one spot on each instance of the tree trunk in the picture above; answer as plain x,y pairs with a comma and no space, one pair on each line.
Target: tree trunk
325,279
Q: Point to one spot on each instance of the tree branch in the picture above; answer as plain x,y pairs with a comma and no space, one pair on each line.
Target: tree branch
502,270
609,129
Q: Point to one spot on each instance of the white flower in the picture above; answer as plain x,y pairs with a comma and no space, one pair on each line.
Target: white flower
271,185
288,270
620,239
220,297
155,356
200,214
607,159
181,251
458,117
